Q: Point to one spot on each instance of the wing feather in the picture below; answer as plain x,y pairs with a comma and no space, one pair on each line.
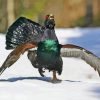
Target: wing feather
15,55
70,50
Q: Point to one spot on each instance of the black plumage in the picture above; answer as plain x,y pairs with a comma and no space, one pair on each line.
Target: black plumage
25,34
47,56
24,30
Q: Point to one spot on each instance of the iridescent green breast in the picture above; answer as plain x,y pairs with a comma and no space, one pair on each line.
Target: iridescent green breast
48,50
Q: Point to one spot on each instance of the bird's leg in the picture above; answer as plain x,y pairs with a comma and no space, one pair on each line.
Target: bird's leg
41,72
54,75
55,79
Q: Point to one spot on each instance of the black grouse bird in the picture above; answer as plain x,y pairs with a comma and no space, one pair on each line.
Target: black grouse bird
25,34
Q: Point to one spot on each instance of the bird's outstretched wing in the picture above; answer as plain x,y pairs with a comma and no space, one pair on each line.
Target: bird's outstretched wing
70,50
23,30
15,55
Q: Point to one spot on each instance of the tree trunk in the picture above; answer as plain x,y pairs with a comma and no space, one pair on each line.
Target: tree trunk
89,12
10,11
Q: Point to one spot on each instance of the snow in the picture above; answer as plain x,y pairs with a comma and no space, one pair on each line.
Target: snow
79,81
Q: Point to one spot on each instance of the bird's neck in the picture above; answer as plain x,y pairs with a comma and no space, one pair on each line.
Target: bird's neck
49,34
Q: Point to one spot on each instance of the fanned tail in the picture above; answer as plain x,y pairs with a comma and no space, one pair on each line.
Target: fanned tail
22,31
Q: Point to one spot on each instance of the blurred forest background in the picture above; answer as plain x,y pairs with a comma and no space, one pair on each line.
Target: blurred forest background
68,13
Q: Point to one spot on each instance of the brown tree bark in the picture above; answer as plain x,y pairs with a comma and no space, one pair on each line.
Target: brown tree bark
10,11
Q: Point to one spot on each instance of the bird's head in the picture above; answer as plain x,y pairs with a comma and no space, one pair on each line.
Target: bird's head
49,21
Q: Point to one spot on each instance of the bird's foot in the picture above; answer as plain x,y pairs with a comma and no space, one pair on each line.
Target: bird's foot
56,80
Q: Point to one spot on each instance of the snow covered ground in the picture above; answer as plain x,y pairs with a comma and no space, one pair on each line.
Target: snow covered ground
79,80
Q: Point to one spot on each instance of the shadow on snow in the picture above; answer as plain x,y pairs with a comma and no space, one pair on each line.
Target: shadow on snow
46,79
96,91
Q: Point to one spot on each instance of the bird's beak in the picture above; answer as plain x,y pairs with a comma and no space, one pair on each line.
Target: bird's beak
51,16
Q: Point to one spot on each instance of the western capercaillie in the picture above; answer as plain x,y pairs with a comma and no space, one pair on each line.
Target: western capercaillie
25,34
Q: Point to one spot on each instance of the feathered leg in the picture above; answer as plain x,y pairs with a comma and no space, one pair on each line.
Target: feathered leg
41,71
15,55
